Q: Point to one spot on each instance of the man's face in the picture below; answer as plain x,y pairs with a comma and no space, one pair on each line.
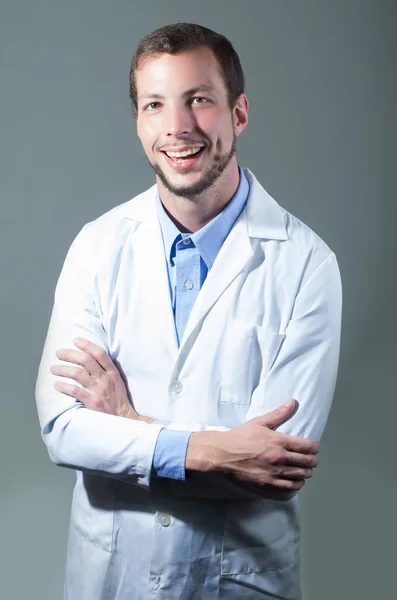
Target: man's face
183,108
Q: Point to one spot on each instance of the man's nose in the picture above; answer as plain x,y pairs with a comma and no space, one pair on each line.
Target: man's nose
178,121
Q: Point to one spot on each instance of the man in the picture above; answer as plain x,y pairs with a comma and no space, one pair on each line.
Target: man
197,329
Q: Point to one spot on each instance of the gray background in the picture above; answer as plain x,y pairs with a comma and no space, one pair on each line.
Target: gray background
322,140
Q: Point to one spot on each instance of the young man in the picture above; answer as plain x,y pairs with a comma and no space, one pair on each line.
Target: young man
184,321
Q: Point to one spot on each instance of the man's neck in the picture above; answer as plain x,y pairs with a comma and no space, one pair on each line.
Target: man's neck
191,214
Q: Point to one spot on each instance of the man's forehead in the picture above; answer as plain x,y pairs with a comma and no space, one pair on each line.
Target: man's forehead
198,58
194,71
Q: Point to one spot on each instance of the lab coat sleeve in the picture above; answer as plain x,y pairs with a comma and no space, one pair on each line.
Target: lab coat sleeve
76,437
307,362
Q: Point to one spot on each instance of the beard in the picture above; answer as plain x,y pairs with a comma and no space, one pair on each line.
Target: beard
218,166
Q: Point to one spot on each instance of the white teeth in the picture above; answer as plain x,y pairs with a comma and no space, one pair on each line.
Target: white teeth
184,153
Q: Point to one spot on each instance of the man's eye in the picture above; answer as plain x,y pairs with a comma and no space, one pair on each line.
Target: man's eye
199,100
152,106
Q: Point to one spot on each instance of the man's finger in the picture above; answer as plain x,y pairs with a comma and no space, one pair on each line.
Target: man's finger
288,484
100,355
80,394
300,444
301,460
83,359
277,416
295,473
75,373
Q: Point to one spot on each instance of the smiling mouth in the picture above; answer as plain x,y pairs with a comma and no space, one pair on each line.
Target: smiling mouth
180,157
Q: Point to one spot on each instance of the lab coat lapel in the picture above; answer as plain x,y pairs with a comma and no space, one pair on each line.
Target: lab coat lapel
151,270
231,260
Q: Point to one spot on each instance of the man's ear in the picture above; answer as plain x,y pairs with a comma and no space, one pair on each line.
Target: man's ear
240,114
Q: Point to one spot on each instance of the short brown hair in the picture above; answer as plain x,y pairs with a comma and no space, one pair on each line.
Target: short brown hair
180,37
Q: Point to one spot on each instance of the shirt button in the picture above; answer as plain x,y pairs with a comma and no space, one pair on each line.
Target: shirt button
175,387
186,241
189,285
164,519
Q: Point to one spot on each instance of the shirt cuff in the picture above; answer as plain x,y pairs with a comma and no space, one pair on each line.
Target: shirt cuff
170,454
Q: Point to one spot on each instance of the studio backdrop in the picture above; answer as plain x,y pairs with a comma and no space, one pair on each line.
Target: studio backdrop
322,141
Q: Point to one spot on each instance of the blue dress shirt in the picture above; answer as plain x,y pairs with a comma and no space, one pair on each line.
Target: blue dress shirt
189,257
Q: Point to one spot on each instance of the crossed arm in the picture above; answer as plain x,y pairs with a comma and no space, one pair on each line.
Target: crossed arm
252,453
90,426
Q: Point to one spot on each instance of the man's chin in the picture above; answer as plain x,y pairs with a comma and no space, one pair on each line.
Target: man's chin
185,183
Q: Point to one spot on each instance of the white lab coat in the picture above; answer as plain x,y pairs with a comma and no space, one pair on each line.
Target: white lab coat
265,328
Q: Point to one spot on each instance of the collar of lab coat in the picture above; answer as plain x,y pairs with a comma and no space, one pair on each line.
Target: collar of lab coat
263,215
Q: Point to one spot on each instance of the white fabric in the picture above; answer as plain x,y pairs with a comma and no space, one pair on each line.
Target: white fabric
265,328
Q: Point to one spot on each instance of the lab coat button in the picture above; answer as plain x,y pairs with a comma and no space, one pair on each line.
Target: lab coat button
164,519
176,387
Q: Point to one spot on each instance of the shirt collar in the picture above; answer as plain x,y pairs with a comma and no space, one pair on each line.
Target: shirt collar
209,238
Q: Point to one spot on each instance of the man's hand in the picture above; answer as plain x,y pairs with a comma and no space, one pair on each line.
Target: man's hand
256,454
103,387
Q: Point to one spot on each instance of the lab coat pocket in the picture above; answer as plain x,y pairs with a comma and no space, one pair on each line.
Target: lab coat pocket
260,536
93,509
249,352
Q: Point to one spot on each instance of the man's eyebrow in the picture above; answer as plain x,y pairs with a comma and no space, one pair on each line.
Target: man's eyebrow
147,95
199,88
190,92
